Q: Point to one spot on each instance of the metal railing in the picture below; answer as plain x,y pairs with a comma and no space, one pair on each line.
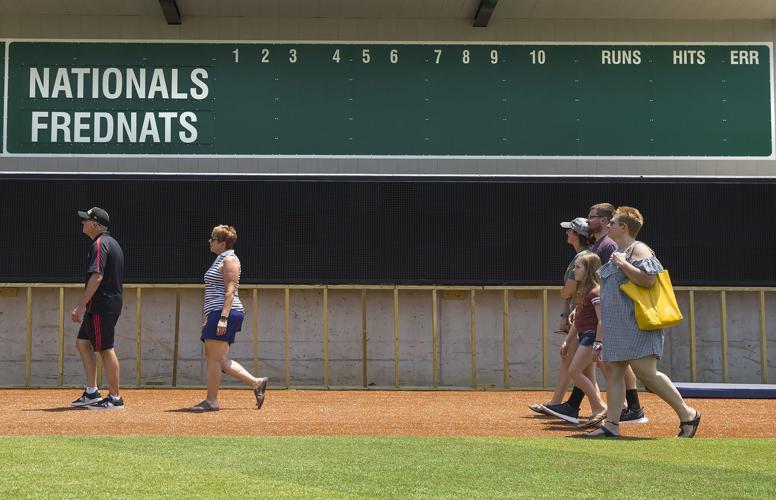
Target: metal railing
433,290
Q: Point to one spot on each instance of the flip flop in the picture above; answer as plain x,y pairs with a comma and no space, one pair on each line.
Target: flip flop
537,408
204,406
694,423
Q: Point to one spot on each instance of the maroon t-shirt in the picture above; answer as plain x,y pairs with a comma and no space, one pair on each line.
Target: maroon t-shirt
604,248
586,318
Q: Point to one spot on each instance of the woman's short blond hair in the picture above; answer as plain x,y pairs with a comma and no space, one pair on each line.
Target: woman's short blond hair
632,219
225,233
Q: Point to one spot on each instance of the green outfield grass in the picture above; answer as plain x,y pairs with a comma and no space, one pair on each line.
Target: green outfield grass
364,467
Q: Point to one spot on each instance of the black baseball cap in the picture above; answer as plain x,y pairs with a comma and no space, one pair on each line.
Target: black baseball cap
96,214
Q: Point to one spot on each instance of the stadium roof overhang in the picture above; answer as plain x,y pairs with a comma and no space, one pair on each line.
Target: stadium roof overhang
466,10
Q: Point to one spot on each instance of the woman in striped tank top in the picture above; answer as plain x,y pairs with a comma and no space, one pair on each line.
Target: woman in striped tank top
222,319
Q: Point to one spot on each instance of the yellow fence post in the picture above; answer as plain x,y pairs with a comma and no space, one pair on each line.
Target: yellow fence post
724,331
505,323
364,373
61,349
287,336
545,347
435,338
325,336
473,331
176,338
763,341
255,330
138,335
28,342
396,336
693,355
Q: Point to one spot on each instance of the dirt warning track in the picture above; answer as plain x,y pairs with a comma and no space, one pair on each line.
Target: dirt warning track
371,413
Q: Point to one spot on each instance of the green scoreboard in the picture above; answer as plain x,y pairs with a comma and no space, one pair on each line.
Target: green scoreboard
482,100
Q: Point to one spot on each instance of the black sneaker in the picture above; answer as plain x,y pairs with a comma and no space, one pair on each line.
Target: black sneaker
108,404
86,399
564,411
633,416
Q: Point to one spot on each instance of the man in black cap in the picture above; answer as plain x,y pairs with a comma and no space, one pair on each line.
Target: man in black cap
100,306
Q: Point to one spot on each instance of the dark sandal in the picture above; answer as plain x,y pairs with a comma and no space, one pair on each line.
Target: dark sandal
595,420
260,392
694,423
601,432
203,407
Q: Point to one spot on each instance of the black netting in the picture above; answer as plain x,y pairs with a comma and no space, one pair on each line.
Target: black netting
355,230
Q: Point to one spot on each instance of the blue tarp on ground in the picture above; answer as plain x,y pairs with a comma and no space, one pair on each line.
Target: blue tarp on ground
728,391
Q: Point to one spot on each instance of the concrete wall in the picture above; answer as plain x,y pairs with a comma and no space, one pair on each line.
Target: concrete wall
345,367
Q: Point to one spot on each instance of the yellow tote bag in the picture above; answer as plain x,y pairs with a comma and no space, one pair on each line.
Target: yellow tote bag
656,306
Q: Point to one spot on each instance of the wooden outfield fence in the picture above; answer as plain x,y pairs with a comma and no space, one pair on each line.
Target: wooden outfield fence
254,295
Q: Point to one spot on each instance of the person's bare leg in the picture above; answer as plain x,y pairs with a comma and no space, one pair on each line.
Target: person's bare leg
629,377
590,373
215,353
562,384
89,360
112,370
646,370
236,370
604,369
582,359
615,395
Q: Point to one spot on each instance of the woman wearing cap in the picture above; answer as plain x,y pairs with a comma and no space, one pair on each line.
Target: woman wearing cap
620,341
577,237
223,317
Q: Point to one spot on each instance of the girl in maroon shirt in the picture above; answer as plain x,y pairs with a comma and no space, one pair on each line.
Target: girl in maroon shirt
586,323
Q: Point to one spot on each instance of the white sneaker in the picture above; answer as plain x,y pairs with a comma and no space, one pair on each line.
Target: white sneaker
86,399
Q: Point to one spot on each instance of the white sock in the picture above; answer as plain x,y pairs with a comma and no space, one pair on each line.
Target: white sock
115,398
91,390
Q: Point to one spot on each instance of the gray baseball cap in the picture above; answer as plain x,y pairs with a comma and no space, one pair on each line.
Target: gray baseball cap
578,225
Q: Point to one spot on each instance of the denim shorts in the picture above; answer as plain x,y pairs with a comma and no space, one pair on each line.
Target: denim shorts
586,338
233,325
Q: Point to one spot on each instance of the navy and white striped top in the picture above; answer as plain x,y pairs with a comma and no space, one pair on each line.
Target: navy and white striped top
214,286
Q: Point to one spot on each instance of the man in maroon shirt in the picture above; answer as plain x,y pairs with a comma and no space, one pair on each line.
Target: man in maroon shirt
598,225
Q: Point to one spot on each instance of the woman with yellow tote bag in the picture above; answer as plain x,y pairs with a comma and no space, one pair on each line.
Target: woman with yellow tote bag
620,340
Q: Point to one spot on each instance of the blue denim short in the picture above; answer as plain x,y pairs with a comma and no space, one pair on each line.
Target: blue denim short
233,325
586,338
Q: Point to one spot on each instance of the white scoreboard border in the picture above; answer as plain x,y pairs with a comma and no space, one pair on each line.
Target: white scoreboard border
9,41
